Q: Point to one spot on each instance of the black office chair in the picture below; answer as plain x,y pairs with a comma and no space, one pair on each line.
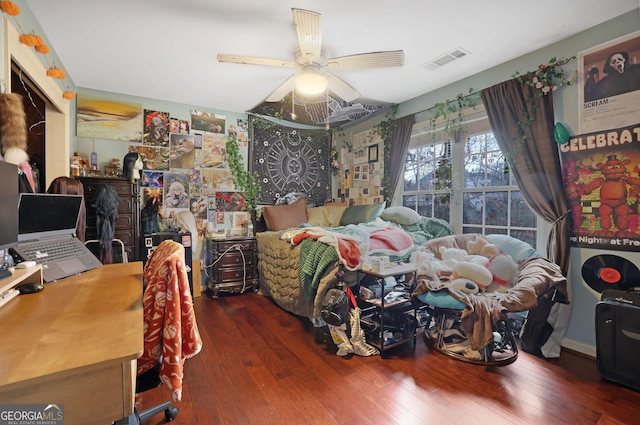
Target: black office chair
147,381
119,252
144,382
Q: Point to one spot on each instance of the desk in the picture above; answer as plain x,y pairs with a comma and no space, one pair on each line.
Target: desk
76,343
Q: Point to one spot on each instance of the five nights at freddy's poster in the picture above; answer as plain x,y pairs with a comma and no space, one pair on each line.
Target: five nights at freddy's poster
602,183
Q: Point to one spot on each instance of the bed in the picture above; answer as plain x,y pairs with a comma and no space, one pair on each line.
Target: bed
297,275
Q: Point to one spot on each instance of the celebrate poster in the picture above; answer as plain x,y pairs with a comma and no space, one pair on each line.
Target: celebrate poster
602,183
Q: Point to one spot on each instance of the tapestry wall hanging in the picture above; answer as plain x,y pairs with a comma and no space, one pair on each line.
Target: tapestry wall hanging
291,160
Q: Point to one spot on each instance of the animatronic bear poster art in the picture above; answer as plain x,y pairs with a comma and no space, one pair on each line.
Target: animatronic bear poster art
600,172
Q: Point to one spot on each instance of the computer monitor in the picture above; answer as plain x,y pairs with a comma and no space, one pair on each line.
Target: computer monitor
8,205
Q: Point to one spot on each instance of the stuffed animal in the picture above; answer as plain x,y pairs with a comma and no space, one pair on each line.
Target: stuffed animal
474,246
424,260
452,253
477,259
481,246
467,286
474,272
505,271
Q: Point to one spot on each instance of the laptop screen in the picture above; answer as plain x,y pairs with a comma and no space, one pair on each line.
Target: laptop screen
47,215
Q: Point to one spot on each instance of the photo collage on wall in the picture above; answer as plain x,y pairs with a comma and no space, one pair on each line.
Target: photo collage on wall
361,182
185,168
601,165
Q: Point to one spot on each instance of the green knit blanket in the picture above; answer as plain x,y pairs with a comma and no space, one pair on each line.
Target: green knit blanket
315,258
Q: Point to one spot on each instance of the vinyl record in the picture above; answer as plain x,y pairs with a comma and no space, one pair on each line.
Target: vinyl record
610,272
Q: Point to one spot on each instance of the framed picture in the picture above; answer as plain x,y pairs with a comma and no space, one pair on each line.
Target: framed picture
610,88
373,153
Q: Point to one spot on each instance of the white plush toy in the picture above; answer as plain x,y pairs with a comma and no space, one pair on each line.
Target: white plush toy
481,246
505,271
474,272
467,286
456,254
477,259
425,262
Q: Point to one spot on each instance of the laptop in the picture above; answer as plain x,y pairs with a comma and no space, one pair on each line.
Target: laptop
47,235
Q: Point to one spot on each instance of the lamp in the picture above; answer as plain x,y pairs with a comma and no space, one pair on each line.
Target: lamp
310,83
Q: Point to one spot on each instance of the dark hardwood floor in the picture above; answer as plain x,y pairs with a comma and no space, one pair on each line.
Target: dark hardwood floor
262,365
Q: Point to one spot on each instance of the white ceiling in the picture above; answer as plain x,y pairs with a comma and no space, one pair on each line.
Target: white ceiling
166,49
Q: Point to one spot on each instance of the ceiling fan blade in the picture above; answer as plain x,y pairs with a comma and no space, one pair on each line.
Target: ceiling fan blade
341,88
249,60
309,35
284,89
368,60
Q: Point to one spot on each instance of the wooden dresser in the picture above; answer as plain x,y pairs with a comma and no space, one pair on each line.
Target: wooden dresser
127,227
230,265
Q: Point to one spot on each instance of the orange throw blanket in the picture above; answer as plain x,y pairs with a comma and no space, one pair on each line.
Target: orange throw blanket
170,331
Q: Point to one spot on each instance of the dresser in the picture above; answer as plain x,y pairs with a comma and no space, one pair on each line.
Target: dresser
127,226
231,265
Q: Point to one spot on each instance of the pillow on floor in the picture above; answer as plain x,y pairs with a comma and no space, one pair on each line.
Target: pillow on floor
282,217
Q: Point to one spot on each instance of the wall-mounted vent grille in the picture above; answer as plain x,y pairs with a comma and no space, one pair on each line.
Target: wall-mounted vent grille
445,59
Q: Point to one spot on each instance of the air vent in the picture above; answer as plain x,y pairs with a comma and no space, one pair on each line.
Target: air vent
445,59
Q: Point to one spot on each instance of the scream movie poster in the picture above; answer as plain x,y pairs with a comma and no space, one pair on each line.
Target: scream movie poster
602,182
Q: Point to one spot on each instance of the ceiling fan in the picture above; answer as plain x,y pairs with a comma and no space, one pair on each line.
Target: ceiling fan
315,62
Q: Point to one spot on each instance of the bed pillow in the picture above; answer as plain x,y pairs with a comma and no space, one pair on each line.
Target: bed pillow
326,215
361,213
400,215
282,217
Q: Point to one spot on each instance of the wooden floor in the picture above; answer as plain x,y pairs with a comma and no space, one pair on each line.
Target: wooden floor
262,365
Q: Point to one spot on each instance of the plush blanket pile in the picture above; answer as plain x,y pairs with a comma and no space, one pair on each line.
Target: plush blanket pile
297,266
352,242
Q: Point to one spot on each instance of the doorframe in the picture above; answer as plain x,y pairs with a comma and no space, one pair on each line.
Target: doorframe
57,109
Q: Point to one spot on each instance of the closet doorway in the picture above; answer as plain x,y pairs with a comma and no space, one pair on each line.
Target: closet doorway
34,108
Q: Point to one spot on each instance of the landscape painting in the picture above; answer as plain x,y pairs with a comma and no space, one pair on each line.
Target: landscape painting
100,118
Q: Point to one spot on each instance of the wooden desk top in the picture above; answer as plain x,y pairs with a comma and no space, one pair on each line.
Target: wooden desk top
94,318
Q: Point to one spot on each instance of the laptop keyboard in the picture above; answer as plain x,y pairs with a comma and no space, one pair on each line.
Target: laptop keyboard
48,251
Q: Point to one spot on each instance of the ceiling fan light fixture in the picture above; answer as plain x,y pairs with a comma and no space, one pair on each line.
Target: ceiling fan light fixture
310,83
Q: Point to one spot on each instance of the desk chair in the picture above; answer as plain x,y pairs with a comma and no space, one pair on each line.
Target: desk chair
119,254
164,353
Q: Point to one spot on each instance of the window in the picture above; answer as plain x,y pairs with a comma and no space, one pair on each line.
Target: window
466,183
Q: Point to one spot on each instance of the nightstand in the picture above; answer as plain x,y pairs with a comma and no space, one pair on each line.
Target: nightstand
230,265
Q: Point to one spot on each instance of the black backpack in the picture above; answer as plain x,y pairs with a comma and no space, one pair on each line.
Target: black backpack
335,309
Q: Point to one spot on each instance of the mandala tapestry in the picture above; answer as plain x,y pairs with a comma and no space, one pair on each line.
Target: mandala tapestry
291,160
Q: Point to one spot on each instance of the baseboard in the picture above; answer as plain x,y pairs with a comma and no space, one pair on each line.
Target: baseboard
579,347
